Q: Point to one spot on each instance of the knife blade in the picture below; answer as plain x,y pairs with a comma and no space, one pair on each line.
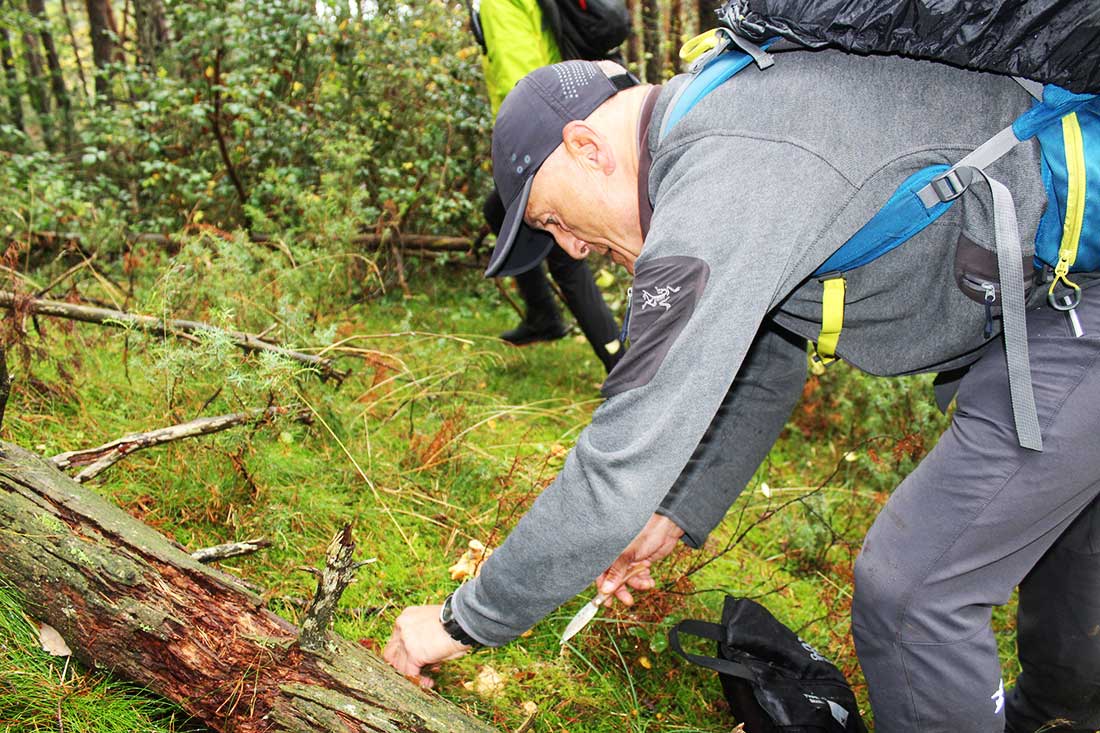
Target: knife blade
589,610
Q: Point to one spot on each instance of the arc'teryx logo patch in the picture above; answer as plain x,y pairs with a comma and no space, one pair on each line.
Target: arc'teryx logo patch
658,299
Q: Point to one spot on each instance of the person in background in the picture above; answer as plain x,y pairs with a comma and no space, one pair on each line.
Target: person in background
517,41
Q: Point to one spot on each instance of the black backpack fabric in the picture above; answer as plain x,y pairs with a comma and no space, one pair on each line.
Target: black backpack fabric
1049,41
586,29
774,682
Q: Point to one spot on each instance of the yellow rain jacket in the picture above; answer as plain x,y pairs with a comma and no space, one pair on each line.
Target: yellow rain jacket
517,44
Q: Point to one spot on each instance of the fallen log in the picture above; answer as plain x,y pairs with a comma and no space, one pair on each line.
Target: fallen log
102,457
125,598
187,330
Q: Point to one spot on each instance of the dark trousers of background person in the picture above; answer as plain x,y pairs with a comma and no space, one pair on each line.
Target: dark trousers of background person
578,287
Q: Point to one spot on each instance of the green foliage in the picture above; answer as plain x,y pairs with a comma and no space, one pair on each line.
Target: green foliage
290,117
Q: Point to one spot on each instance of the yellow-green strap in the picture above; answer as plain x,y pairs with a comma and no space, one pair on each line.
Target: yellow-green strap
832,318
1075,203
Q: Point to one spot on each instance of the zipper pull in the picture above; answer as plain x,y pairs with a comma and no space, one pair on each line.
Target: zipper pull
990,299
626,318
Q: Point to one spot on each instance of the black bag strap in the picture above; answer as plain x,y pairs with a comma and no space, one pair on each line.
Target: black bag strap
475,26
714,632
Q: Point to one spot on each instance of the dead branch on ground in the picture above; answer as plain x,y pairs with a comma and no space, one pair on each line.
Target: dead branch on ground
186,330
103,457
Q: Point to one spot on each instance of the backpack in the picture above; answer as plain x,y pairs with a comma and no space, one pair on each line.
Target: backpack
1067,126
582,29
586,29
773,681
1050,41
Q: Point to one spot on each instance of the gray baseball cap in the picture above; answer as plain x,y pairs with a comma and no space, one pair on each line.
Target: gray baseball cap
528,128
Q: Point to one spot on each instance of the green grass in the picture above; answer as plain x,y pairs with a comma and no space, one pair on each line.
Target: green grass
39,692
441,434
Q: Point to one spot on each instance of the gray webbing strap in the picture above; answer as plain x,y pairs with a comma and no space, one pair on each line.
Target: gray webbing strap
1010,257
760,57
951,184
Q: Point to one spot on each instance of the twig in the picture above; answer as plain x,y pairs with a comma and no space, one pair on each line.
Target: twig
339,573
219,136
65,275
528,723
176,328
508,297
103,457
230,549
5,383
394,242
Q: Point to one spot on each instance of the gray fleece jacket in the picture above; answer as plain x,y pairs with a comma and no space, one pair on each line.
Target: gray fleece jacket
752,191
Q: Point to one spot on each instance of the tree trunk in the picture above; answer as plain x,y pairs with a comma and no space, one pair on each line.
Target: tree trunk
75,46
151,29
57,79
36,87
634,40
11,78
651,40
126,598
675,34
99,27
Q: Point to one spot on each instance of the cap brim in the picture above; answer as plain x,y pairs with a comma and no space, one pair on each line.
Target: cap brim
518,247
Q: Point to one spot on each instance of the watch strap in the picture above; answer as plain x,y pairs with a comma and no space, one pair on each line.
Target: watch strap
452,627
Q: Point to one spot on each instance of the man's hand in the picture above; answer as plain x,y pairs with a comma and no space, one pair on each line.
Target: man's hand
419,640
656,540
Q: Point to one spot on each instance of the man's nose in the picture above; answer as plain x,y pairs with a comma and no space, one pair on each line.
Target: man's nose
573,246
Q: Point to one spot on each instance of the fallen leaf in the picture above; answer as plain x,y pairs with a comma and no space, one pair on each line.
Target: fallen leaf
530,708
52,642
488,682
644,661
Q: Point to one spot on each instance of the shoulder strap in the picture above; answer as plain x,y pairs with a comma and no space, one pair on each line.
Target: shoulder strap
714,632
718,64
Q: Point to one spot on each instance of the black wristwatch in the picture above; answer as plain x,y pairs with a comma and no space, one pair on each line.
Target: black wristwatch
452,627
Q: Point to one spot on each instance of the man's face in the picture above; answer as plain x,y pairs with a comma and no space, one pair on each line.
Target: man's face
578,211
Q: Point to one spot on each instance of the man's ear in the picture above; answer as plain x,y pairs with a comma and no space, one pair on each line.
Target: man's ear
588,146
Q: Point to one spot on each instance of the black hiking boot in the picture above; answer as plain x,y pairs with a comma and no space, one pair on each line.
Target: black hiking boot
525,333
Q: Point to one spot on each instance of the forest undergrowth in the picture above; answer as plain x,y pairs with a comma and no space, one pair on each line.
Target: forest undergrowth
440,435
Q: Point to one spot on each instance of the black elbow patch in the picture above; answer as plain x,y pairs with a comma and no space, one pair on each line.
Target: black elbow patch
665,292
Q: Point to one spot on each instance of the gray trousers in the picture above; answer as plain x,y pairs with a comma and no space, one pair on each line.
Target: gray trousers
979,517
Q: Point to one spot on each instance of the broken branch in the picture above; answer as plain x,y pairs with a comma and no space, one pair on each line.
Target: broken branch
230,549
160,327
103,457
338,574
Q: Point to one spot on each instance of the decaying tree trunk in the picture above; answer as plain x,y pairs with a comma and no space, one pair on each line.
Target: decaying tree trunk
125,598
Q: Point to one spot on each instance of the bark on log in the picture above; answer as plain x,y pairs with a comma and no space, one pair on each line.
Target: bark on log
125,598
